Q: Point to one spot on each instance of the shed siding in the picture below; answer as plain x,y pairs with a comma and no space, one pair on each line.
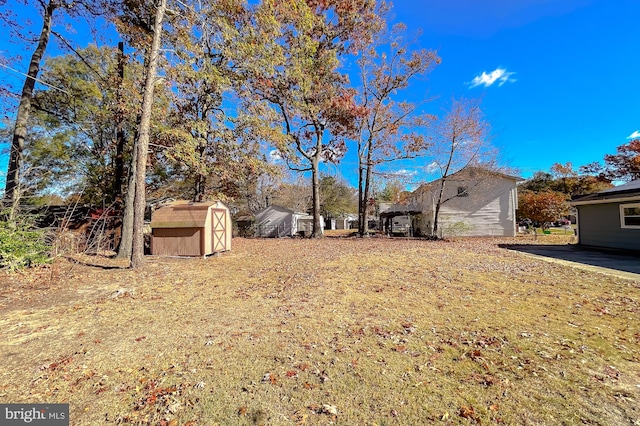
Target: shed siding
599,225
177,242
221,230
183,228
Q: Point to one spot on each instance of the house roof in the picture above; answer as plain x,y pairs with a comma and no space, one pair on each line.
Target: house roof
470,170
622,193
634,184
282,209
475,170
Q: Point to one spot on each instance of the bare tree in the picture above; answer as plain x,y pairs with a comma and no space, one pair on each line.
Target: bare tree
389,130
295,195
461,140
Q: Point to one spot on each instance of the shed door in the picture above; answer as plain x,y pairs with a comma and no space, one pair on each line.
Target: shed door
219,230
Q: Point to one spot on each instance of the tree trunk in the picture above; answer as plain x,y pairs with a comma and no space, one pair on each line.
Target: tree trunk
126,239
367,190
315,185
437,208
361,200
12,189
120,139
363,226
200,181
443,181
142,145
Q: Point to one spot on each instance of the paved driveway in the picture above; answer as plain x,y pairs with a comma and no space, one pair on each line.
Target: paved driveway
616,263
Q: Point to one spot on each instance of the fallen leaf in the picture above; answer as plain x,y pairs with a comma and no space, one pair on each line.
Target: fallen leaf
467,412
329,409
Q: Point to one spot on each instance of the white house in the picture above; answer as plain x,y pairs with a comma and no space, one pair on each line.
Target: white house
475,202
346,221
277,221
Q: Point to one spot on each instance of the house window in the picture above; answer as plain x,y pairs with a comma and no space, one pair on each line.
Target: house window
462,191
630,215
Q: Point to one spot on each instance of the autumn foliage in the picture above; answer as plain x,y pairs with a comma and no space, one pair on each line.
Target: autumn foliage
542,207
625,164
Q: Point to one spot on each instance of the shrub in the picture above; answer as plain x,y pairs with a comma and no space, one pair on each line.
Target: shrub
21,244
455,229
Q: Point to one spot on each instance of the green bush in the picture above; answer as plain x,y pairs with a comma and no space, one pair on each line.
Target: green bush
22,245
454,229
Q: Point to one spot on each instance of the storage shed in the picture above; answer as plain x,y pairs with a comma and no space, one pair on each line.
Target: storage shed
183,228
610,218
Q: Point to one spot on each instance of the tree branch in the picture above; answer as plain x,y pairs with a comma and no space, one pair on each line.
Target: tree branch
61,38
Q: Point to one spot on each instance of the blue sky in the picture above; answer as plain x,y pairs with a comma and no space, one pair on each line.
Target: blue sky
558,79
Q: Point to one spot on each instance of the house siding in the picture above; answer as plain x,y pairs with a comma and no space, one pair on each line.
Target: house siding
487,210
275,221
599,225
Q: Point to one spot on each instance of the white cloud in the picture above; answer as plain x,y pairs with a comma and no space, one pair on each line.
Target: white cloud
432,167
405,173
501,75
634,135
275,156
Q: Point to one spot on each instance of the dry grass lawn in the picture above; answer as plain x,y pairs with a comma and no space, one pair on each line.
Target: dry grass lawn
337,331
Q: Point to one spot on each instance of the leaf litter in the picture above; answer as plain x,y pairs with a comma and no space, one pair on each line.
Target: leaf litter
355,331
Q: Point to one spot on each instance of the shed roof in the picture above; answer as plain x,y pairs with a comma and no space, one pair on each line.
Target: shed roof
183,214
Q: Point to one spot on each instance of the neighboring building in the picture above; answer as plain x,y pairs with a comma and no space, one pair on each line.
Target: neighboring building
476,202
244,225
401,219
277,221
347,221
610,218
